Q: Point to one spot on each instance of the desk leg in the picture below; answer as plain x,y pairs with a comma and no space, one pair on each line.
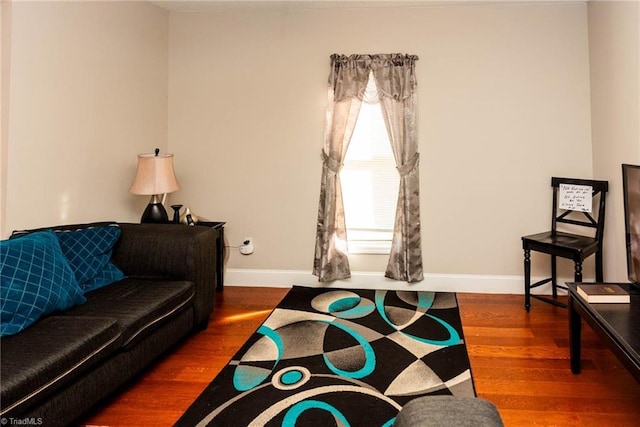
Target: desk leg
220,260
575,332
527,279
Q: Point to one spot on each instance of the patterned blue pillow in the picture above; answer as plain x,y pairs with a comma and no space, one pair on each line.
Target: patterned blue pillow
35,279
108,275
89,252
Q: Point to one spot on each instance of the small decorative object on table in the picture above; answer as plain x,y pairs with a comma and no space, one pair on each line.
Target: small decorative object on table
176,213
603,293
188,217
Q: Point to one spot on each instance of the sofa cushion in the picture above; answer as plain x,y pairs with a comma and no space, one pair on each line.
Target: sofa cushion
35,279
51,354
88,251
140,306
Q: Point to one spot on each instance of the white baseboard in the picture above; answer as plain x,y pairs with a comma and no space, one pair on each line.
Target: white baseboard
470,283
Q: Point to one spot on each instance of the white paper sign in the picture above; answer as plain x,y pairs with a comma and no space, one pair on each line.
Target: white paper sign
575,197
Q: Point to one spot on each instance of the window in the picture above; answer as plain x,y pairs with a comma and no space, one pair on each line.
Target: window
370,181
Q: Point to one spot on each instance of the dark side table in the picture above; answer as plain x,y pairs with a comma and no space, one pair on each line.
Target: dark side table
617,324
219,227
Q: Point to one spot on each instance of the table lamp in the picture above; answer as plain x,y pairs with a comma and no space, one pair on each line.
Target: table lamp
155,177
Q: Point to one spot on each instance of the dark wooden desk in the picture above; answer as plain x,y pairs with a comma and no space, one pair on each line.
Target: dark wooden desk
617,324
219,227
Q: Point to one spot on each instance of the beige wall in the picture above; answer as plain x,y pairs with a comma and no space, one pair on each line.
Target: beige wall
503,105
238,93
5,55
87,93
614,51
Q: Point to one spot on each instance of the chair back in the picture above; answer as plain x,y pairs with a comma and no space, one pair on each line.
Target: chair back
571,204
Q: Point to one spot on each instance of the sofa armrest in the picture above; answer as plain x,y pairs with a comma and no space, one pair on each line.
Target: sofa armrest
171,252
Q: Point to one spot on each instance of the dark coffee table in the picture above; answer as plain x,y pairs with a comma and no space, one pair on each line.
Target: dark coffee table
617,324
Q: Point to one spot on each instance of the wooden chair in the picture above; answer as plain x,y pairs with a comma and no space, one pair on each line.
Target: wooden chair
568,244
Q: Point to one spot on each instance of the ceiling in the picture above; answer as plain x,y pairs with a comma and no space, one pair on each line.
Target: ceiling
204,5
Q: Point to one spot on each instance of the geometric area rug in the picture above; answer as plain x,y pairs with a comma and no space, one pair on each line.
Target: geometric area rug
340,357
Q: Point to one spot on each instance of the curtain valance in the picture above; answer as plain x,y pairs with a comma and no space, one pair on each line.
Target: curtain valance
394,75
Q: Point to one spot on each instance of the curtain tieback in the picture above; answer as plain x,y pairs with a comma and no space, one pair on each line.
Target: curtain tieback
333,165
408,167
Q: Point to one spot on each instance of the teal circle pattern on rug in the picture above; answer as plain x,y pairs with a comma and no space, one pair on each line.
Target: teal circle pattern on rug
248,376
366,365
291,377
292,415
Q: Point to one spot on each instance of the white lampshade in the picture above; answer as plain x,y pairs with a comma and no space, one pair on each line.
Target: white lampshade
155,175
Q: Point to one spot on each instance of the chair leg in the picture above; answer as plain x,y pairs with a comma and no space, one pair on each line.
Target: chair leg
599,267
578,271
527,279
554,283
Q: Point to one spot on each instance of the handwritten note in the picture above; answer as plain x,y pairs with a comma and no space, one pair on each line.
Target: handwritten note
575,197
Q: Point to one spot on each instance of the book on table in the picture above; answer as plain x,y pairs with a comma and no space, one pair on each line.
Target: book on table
603,293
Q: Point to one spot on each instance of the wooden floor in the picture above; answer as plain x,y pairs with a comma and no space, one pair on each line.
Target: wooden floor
519,361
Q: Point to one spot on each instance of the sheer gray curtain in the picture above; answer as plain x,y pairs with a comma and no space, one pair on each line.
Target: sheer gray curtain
395,78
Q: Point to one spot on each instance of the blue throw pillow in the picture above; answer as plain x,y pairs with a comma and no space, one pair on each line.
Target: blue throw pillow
109,274
89,253
35,279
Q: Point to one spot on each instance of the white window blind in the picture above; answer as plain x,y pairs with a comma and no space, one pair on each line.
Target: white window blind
370,182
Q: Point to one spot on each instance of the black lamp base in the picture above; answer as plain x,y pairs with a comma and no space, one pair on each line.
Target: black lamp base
155,213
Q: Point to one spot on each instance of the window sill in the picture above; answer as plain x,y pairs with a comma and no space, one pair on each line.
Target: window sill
369,247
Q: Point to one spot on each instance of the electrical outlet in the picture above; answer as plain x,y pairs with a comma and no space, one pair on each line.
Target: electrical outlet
247,246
